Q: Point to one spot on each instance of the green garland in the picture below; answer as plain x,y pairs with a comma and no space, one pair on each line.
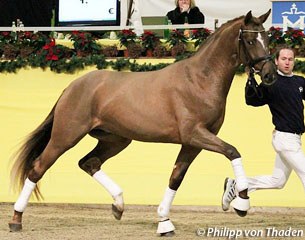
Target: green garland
299,66
38,50
76,63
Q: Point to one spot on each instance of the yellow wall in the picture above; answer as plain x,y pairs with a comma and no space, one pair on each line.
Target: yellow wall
143,169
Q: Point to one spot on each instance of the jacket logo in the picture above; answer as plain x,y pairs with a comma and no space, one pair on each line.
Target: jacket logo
301,89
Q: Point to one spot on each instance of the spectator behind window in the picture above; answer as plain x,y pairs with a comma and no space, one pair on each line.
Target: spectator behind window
185,9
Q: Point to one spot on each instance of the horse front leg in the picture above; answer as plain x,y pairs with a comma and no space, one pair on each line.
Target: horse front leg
202,138
186,156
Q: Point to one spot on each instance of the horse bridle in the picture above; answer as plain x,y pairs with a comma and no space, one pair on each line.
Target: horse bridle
249,61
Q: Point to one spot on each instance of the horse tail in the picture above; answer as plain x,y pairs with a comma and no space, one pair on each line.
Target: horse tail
33,146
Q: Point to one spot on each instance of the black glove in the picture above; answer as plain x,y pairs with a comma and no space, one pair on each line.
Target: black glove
252,88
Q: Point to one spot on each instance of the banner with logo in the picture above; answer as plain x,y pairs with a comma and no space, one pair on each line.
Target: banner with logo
288,14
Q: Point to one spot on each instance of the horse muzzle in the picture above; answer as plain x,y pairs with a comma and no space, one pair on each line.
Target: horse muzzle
268,73
268,79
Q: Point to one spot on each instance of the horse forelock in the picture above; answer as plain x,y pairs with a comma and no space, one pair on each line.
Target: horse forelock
256,21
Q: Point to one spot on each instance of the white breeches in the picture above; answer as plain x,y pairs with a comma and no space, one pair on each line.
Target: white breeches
289,156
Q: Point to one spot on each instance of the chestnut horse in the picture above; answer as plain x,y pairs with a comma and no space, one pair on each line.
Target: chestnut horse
183,103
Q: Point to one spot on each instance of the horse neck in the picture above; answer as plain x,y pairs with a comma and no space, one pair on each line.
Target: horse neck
219,55
223,44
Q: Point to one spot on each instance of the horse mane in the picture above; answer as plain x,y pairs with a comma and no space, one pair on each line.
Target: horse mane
229,22
219,30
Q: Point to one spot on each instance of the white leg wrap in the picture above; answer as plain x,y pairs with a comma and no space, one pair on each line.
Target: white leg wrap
118,200
24,196
240,176
164,207
107,183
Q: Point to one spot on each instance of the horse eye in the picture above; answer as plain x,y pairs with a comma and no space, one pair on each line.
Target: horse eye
250,42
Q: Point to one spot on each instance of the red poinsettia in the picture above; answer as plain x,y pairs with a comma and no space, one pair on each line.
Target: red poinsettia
176,36
7,37
51,50
150,40
85,42
294,37
200,35
127,37
276,37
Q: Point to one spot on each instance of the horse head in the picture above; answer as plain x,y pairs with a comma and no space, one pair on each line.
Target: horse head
253,47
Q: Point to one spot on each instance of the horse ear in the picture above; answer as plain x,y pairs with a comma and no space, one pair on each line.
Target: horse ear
248,18
264,17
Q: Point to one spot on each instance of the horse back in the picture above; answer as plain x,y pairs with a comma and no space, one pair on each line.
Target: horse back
133,105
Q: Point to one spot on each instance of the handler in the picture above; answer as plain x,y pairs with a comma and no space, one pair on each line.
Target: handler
284,99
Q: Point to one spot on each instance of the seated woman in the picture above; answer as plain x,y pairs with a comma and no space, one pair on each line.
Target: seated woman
185,9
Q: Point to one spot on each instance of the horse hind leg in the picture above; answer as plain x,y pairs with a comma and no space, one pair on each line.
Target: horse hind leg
186,156
47,158
92,162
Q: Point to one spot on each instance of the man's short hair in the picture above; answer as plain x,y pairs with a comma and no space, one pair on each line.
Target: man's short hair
277,53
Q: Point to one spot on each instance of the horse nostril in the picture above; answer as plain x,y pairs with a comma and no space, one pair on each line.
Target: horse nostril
269,79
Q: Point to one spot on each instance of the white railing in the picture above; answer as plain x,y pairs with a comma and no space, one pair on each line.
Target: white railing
98,28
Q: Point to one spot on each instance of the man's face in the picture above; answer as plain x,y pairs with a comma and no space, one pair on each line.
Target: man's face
285,61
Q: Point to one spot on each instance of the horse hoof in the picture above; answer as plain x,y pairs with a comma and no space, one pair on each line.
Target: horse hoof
168,234
240,213
15,227
117,213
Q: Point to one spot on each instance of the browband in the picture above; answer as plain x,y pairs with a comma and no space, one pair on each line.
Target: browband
252,31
